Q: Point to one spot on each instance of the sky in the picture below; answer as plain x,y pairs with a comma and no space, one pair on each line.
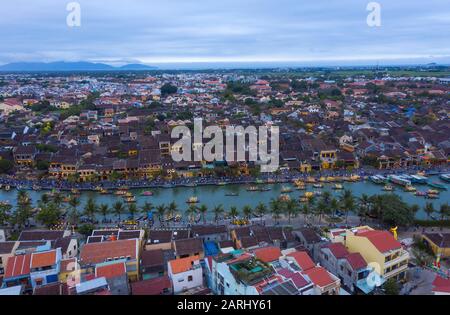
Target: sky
305,32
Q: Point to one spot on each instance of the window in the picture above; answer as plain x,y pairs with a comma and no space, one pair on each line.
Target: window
190,278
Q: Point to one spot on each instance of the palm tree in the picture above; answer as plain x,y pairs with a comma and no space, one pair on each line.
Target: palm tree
364,206
104,210
132,210
291,209
305,211
276,209
347,202
247,211
190,212
320,208
261,210
172,209
90,209
147,208
203,209
218,210
429,209
44,198
74,202
23,197
334,205
57,198
5,213
161,209
118,208
443,212
234,212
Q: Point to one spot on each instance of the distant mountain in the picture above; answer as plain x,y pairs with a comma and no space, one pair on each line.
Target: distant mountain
70,66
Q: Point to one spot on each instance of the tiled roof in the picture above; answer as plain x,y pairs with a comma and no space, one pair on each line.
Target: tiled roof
356,261
152,258
296,277
303,260
6,247
319,276
95,253
154,286
268,254
337,249
43,259
110,270
382,240
188,246
18,266
182,264
40,235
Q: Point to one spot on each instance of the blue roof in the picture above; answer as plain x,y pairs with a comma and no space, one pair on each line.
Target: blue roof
211,248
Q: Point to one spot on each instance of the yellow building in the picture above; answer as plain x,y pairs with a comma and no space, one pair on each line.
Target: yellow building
379,248
438,242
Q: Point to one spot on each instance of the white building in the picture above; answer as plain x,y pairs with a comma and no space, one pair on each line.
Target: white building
185,273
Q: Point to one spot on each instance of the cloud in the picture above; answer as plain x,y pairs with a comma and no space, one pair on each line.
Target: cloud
233,30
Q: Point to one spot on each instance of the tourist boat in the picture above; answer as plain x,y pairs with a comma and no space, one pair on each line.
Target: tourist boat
388,187
221,184
120,192
330,179
338,187
433,192
75,191
128,194
36,187
286,189
252,188
399,180
284,197
421,193
259,181
418,179
265,189
98,188
437,185
310,180
323,180
130,199
192,199
355,178
445,177
432,196
147,193
104,191
318,185
191,185
270,180
309,194
378,179
231,194
410,188
301,187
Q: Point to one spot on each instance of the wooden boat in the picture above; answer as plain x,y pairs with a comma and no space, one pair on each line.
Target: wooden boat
286,189
310,180
308,194
410,188
301,187
355,178
318,185
7,188
264,189
284,197
36,187
438,185
252,188
421,193
192,200
147,193
231,194
433,192
75,191
388,187
104,191
120,192
432,196
323,180
221,184
130,199
338,187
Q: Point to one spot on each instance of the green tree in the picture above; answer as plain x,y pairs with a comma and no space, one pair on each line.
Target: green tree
347,202
161,209
234,212
86,229
429,209
276,209
261,210
247,211
5,166
218,211
292,209
5,213
49,215
190,212
203,209
118,209
104,210
90,209
391,287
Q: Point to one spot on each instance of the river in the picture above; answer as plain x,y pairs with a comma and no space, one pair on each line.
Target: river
214,195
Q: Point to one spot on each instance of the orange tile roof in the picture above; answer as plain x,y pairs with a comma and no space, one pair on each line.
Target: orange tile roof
17,266
110,271
182,264
382,240
303,260
268,254
319,276
43,259
94,253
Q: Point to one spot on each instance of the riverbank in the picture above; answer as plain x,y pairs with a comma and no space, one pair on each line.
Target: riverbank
284,177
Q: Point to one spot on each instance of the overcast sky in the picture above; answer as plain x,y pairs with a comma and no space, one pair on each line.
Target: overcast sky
153,32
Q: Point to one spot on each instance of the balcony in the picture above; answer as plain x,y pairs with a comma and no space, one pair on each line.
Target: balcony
395,272
403,256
